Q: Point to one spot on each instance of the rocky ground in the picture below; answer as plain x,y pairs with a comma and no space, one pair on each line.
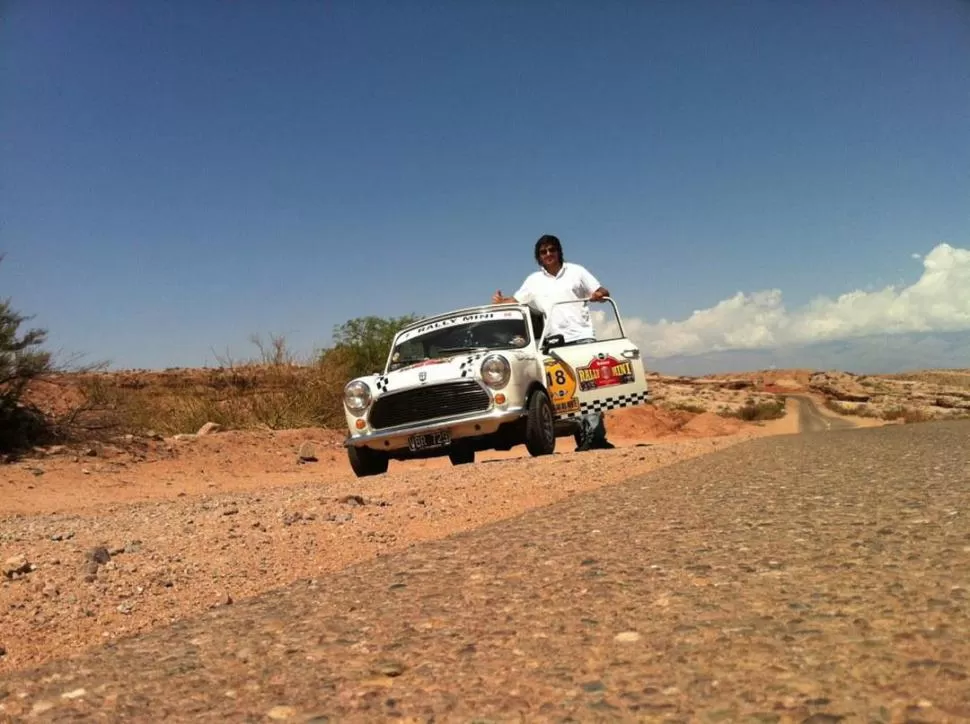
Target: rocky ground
908,397
914,397
811,578
104,541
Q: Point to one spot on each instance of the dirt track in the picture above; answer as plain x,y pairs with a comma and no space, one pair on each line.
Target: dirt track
820,576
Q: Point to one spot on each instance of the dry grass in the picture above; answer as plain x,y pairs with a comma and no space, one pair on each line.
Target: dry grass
274,396
273,391
897,412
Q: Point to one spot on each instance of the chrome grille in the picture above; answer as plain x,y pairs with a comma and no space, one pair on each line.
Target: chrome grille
427,403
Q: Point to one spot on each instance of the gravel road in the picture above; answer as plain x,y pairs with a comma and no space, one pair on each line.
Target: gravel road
808,578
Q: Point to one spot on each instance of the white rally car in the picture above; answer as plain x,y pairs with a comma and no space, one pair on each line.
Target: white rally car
485,378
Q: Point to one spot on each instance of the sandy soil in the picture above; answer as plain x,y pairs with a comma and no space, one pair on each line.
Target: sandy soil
103,545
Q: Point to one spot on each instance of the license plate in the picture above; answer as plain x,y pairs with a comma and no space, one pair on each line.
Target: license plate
429,440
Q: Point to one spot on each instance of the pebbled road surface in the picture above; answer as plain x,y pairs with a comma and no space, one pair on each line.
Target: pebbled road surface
806,578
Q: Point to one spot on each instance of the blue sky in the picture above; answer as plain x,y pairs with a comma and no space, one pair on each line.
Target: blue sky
177,176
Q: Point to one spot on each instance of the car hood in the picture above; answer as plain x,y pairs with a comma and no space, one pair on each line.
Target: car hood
462,366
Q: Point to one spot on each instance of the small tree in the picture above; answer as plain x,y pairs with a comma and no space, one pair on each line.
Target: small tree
21,360
362,344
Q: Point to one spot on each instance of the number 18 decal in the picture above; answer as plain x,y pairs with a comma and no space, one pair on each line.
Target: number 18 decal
561,383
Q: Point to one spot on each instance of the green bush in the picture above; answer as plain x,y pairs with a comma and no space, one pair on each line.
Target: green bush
361,345
21,360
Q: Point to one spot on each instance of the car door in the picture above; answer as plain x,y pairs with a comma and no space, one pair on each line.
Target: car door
604,375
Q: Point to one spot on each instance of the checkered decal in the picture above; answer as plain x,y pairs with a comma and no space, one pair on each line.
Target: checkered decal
610,403
381,384
465,368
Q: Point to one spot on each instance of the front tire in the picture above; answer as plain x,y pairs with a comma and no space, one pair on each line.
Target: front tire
366,462
540,429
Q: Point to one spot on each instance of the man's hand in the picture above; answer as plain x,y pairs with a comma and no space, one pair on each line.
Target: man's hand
599,295
499,298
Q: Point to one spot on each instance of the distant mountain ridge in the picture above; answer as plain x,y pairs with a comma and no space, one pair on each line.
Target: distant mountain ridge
876,354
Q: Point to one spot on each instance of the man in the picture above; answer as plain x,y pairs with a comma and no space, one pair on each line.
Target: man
560,281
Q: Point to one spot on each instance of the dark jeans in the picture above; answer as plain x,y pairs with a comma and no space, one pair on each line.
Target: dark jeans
592,424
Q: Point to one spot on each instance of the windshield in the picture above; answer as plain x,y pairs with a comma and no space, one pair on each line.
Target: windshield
460,335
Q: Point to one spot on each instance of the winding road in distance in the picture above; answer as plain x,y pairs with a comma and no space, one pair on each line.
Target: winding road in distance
811,419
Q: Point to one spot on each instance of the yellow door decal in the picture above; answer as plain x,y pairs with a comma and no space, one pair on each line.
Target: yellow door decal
561,383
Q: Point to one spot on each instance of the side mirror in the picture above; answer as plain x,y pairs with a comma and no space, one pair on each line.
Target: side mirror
553,340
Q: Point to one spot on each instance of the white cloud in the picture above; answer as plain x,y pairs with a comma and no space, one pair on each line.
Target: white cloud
939,301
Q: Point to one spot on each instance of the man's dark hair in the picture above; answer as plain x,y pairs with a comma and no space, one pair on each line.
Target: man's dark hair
549,239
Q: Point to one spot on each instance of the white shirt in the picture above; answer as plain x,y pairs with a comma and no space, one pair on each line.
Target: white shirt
541,290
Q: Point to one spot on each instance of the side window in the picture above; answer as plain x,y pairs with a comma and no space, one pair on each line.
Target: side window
606,324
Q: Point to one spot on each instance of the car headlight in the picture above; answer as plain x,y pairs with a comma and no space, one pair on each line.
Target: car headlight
496,371
357,396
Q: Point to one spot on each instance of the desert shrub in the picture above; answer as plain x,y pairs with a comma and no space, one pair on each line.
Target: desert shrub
687,407
906,414
753,411
838,407
21,360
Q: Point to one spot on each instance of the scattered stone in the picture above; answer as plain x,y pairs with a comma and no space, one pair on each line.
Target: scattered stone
291,518
353,500
76,694
36,472
389,668
3,651
231,510
16,566
125,608
307,453
209,428
627,637
99,555
281,713
63,536
41,707
133,546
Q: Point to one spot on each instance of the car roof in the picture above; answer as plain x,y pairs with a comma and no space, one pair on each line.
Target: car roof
464,310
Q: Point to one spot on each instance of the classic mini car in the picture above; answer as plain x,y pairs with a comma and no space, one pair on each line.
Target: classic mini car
485,378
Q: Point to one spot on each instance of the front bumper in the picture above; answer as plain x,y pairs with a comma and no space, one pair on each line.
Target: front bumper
480,423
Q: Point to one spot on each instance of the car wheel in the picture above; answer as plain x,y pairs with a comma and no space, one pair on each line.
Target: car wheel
366,462
540,429
460,454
